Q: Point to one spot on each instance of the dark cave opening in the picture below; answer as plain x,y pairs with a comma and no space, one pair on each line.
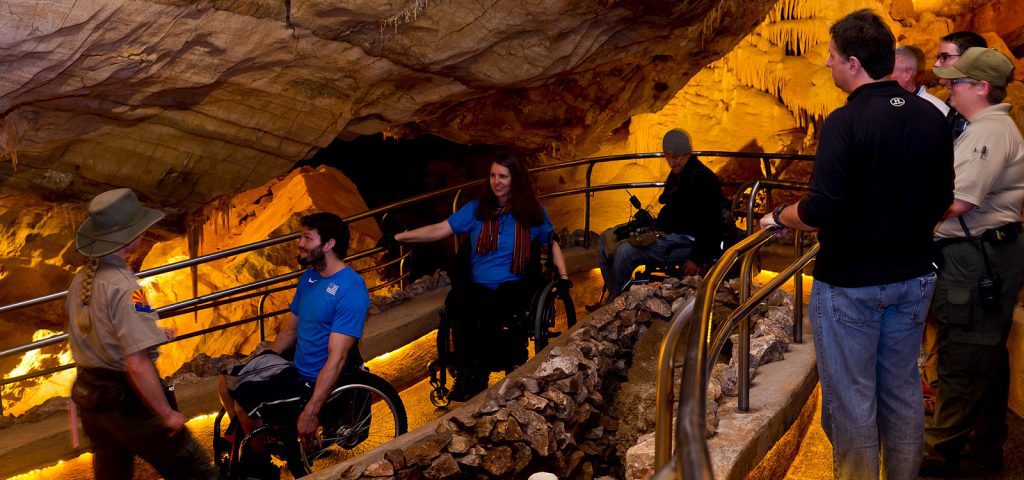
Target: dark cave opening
387,169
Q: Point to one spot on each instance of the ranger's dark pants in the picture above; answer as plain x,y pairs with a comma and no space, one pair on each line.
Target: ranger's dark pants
120,427
973,367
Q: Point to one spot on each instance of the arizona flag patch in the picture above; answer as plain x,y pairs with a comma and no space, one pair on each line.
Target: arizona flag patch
141,304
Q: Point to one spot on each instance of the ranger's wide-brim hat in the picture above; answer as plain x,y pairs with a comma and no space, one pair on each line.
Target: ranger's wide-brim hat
116,217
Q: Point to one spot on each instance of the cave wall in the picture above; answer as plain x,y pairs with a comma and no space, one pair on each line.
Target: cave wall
185,101
39,258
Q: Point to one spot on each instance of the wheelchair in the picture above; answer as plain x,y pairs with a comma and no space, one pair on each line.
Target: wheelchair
657,272
363,412
549,313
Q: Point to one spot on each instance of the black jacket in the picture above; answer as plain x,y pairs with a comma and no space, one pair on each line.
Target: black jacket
883,177
693,206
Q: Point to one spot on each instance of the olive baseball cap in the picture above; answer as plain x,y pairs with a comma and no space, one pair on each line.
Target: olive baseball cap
980,64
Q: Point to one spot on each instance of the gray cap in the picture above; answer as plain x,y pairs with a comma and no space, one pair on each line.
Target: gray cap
676,142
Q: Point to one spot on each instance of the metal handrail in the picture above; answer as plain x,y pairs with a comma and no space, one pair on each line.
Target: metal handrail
703,344
755,186
211,300
411,201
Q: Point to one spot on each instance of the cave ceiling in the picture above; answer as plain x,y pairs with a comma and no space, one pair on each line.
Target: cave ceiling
185,101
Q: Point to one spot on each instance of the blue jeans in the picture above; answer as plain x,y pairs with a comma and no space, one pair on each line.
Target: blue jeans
867,340
618,271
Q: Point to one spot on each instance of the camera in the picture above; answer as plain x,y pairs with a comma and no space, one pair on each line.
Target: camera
988,292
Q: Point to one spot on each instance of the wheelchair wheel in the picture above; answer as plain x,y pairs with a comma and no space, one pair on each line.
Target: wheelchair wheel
360,415
555,314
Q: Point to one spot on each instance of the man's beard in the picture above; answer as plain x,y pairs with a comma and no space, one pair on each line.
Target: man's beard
313,258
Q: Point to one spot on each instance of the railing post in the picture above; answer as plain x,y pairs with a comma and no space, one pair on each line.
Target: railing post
798,290
586,208
743,350
259,311
751,204
401,266
455,208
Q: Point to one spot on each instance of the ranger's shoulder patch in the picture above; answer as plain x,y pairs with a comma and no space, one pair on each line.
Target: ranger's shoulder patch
140,302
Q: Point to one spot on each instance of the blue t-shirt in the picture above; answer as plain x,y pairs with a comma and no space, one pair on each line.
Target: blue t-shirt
325,305
494,268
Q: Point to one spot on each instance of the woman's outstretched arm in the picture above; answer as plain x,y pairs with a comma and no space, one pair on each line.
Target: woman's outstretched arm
427,233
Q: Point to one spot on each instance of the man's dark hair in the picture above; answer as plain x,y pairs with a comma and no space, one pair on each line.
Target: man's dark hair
330,227
864,35
964,40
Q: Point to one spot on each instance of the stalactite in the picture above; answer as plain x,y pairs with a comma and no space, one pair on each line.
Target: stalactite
407,15
771,58
11,130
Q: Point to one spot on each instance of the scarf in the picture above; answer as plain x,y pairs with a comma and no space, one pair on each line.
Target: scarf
488,241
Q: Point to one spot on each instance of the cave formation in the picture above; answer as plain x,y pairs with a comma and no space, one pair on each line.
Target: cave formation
205,108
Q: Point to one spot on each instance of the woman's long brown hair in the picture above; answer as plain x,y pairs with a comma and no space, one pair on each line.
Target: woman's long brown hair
523,202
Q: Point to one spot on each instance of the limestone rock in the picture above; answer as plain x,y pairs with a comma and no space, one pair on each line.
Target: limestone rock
658,306
640,459
556,368
498,460
460,444
507,431
382,468
533,402
711,418
425,450
397,458
444,467
521,457
187,101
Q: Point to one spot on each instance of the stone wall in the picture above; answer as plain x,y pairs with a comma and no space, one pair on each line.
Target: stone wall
555,413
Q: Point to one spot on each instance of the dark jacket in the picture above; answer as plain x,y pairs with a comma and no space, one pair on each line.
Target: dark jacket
693,206
883,177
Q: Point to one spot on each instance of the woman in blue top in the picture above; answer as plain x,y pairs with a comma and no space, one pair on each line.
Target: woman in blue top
501,224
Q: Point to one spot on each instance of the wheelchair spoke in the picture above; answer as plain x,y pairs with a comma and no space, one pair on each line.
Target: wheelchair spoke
359,416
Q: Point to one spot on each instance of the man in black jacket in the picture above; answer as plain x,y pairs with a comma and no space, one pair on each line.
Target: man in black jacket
882,178
690,224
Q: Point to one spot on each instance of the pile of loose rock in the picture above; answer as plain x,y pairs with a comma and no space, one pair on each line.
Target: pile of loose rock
551,414
771,325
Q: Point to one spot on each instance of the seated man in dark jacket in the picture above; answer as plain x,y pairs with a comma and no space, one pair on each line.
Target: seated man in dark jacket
690,225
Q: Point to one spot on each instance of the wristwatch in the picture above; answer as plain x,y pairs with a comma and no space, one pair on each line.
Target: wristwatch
777,214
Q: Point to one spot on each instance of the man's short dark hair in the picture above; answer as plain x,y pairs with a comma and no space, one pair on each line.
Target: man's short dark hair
964,40
864,35
330,227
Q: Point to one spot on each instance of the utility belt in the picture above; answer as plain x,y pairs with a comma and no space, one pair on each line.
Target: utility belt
102,389
1005,234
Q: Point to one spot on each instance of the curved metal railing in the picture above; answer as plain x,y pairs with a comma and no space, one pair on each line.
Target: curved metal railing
256,289
693,331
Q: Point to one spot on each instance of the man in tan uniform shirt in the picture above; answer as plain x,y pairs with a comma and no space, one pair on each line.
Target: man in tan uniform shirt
113,336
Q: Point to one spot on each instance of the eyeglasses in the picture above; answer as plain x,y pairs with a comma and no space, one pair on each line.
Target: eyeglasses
944,57
963,80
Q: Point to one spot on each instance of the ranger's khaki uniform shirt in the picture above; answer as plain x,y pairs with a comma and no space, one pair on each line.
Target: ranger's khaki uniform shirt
989,162
122,322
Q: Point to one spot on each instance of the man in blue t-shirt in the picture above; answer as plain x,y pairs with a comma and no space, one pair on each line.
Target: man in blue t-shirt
326,323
